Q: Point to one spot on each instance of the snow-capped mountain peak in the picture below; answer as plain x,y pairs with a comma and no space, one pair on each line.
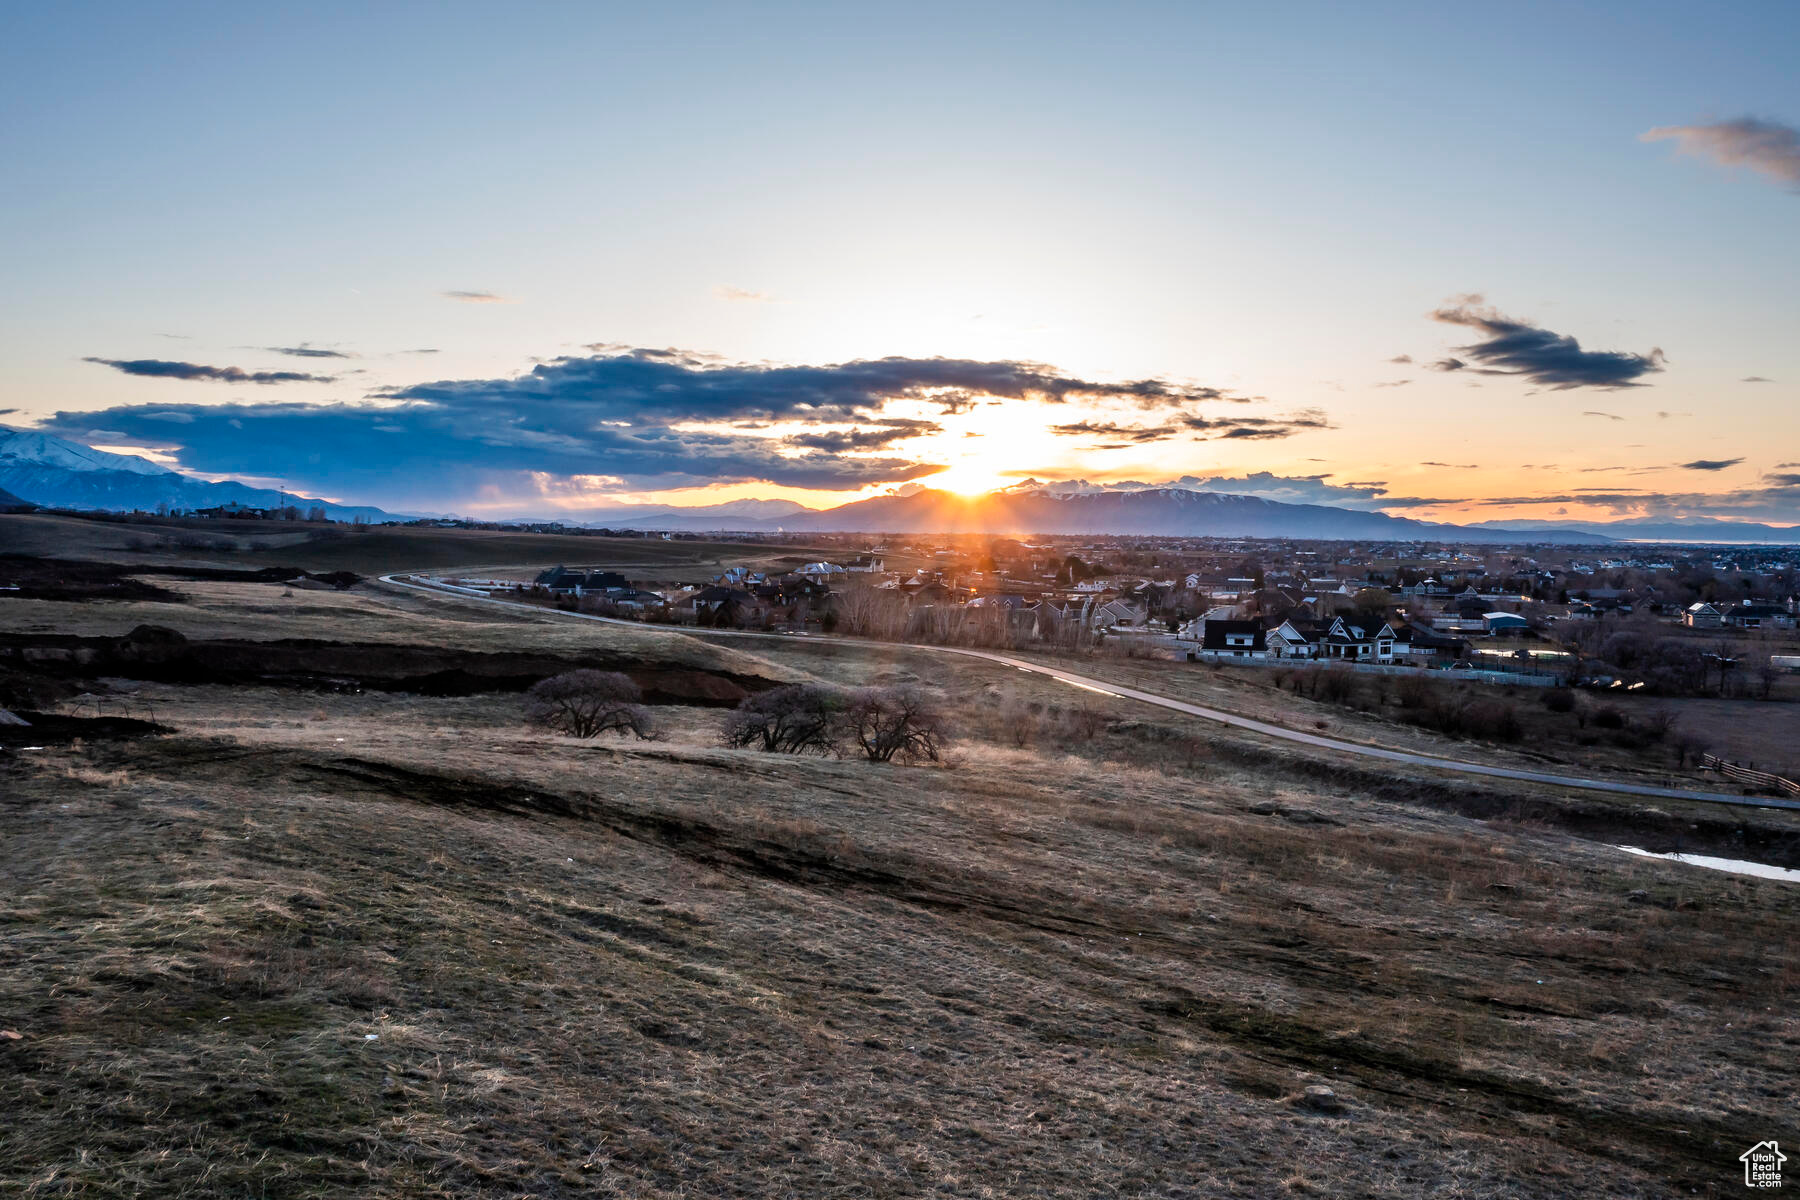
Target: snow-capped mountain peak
20,447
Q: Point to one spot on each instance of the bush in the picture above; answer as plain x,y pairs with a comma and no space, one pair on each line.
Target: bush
1609,718
894,722
1413,691
800,718
1559,700
587,703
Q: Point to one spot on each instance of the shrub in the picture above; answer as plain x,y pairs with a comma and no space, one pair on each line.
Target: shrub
1413,691
800,718
587,703
1609,718
1559,700
894,722
1336,684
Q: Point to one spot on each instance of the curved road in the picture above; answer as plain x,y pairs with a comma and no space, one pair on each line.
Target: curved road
1180,706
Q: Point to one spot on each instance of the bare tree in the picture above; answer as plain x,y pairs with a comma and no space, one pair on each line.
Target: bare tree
800,718
895,722
588,703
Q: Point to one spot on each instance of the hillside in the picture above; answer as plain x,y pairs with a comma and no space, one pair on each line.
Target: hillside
330,941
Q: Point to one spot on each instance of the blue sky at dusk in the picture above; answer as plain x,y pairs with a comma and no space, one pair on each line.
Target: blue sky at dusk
1531,262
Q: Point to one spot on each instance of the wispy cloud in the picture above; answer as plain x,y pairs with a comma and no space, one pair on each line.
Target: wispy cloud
1755,379
475,297
1256,428
1594,412
1393,383
1121,434
157,368
1709,464
877,437
1527,351
1766,147
1401,358
1453,466
742,295
305,351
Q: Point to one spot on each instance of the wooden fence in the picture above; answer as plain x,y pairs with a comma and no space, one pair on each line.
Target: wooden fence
1761,779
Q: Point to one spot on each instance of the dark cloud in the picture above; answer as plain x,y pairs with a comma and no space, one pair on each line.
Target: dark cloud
1755,379
1256,428
1453,466
881,435
1401,358
156,368
1710,464
400,454
671,385
475,297
1783,480
1553,360
1767,147
619,417
305,351
1593,412
1131,434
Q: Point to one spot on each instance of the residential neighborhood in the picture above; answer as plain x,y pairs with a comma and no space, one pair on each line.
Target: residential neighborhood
1557,616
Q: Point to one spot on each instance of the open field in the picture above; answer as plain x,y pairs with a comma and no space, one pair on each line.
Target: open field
381,942
365,550
1747,730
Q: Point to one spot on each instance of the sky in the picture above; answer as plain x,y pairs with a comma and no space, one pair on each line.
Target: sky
540,259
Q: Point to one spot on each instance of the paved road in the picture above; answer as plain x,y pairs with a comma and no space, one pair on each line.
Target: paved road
1180,706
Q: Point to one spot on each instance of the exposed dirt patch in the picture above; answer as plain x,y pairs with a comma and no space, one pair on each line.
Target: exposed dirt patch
163,655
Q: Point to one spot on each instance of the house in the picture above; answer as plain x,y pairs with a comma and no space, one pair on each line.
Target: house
1235,639
1115,613
1757,615
560,581
1358,643
1296,638
1427,643
1701,615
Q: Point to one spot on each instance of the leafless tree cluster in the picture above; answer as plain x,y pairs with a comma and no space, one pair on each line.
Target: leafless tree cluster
890,722
881,723
588,703
801,718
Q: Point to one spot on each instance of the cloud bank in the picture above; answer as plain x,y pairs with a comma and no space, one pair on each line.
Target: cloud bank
637,418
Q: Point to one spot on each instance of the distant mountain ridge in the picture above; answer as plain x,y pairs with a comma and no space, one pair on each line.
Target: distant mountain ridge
54,472
1672,529
1171,511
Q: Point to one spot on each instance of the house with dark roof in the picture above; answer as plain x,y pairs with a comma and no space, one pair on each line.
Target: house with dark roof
1235,639
1757,615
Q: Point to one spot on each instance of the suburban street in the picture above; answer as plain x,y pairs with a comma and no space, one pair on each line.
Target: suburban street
1103,687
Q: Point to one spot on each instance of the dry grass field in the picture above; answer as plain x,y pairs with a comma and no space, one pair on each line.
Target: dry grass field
383,943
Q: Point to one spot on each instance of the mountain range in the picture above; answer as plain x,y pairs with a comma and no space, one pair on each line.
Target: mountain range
38,468
56,473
